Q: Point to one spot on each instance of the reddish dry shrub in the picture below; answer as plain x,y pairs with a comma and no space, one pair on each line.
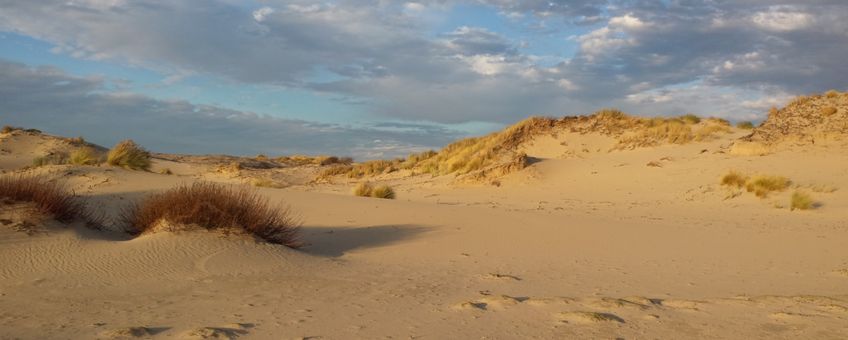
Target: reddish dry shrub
215,207
50,197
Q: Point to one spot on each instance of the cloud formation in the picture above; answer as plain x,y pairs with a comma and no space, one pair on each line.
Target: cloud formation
53,101
648,57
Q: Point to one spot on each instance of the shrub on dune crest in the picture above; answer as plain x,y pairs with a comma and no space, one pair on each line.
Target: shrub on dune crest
690,118
745,125
214,207
363,189
127,154
49,197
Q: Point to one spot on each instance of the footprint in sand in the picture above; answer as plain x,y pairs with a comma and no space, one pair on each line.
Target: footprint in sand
231,331
584,318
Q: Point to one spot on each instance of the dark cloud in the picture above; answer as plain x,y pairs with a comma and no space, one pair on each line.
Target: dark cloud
48,99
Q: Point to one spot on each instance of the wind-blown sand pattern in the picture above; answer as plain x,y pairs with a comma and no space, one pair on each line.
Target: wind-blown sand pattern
587,240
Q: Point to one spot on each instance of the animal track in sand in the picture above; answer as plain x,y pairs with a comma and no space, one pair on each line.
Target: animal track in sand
499,276
582,317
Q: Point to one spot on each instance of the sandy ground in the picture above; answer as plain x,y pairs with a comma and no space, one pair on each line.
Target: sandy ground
583,244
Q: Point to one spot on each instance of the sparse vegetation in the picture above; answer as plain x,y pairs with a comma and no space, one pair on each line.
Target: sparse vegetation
265,183
745,125
831,94
801,201
48,196
214,207
77,141
762,185
383,191
734,179
8,129
50,159
690,118
166,171
365,189
84,156
129,155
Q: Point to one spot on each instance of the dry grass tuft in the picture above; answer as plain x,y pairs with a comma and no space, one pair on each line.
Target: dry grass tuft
214,207
828,111
50,197
383,191
831,94
762,185
266,183
734,179
365,189
8,129
77,141
166,171
801,201
50,159
129,155
690,119
745,125
84,156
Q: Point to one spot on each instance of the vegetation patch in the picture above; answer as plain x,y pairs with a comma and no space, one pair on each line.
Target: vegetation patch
762,185
365,189
84,156
801,201
745,125
129,155
214,206
49,197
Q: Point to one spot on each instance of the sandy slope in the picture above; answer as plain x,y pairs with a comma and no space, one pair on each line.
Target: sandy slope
583,244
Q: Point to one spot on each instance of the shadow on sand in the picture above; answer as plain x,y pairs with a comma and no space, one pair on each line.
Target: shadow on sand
335,242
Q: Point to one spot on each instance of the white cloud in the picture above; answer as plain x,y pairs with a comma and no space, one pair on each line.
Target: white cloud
782,19
260,14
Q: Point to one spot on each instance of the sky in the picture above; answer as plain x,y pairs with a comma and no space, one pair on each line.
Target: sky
381,79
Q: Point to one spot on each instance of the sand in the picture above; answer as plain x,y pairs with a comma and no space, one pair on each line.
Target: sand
584,244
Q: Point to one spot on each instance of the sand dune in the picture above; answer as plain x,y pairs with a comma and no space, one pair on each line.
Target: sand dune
584,242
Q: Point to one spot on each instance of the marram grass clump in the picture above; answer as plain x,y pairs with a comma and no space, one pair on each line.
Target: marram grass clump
49,197
734,179
745,125
365,189
84,156
801,201
760,185
214,206
129,155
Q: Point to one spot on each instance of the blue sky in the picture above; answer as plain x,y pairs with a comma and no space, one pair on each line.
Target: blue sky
381,78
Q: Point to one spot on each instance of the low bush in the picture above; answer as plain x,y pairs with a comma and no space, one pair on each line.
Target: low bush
828,111
129,155
49,197
745,125
801,201
50,159
214,206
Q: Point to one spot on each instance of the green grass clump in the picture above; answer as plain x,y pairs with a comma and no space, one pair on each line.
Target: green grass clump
84,156
801,201
745,125
762,185
129,155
